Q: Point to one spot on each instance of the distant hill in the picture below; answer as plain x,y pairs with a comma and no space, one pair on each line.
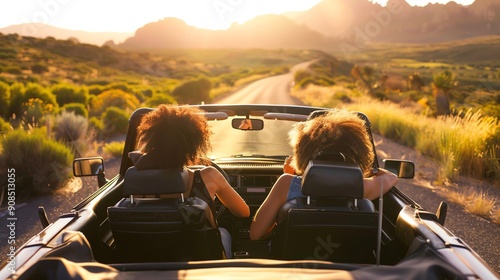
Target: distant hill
41,30
325,26
269,31
363,20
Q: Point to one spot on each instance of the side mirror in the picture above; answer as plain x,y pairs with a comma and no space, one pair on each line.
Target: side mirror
93,166
403,168
247,124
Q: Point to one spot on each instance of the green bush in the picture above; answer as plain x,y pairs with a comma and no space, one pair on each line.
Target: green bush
95,89
35,110
36,91
66,93
193,92
159,98
114,98
305,82
13,70
115,121
4,99
40,164
77,108
4,126
17,91
39,68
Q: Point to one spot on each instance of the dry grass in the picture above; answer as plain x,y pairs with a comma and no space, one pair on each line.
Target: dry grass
480,204
114,149
314,95
477,203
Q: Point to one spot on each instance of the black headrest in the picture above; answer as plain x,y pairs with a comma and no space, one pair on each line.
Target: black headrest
153,181
327,179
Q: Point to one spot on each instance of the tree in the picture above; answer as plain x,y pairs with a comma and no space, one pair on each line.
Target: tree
115,121
442,84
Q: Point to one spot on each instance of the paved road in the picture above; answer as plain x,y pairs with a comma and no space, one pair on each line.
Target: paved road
271,90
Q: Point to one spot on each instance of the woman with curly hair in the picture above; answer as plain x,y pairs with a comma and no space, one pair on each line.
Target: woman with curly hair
336,131
174,137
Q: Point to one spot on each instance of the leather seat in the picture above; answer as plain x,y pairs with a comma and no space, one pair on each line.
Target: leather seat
332,221
162,229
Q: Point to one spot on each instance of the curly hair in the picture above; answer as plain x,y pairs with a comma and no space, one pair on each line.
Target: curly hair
174,136
339,131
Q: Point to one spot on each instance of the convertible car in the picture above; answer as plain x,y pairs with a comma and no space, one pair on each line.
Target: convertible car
332,233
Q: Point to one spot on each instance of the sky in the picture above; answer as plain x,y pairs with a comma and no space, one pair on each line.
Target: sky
128,15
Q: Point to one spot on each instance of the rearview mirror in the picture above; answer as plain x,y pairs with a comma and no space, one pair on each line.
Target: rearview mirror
93,166
402,168
247,124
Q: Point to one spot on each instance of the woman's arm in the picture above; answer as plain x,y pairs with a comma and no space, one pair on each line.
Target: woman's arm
372,184
217,185
265,218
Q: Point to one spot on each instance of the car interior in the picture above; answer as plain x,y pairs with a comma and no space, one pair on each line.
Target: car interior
129,227
336,225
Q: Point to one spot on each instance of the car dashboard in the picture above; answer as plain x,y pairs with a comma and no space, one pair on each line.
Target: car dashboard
253,180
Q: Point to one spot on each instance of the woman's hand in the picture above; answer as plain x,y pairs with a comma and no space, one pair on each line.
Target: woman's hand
287,166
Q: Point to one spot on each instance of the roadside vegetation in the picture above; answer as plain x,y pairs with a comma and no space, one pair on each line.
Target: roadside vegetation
60,99
444,112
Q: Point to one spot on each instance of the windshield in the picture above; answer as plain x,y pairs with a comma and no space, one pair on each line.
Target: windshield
271,141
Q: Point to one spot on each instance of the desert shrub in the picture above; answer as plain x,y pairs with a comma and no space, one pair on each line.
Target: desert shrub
40,164
159,98
66,93
35,110
114,149
36,91
4,126
114,98
115,121
97,126
77,108
72,130
301,75
13,70
17,99
69,127
193,92
305,82
39,68
95,89
4,99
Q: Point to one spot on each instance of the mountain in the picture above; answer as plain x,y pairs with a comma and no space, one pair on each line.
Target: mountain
268,31
41,30
362,20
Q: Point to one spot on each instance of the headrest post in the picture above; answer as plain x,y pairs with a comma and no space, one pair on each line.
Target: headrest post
308,200
356,203
182,197
132,199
